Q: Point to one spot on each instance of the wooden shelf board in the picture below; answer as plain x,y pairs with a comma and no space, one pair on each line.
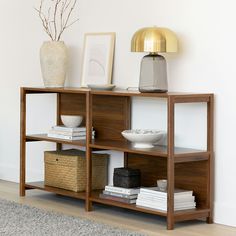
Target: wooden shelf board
182,95
56,90
41,186
179,97
179,215
191,214
44,137
95,198
181,154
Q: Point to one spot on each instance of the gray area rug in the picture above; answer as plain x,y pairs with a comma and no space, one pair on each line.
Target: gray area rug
17,219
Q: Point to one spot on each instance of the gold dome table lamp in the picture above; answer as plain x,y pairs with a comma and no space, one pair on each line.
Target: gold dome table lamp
153,72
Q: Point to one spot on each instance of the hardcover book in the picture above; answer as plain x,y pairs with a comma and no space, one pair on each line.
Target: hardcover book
118,199
134,196
129,191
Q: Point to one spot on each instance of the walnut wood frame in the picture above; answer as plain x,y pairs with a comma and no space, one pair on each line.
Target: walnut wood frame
109,112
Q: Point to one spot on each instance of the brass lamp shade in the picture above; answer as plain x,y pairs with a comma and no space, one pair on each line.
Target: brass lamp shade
154,40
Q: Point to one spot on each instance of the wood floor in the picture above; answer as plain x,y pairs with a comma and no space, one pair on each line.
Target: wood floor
143,223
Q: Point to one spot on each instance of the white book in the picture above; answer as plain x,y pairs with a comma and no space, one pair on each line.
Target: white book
129,191
164,204
157,192
154,197
59,136
73,134
64,128
164,207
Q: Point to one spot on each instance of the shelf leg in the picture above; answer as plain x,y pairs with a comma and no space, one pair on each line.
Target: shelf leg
88,202
59,145
209,219
170,224
170,165
22,140
210,148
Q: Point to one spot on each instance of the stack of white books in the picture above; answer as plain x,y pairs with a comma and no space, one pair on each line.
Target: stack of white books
155,198
63,132
125,195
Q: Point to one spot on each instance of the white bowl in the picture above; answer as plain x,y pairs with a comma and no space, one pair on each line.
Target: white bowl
71,121
143,138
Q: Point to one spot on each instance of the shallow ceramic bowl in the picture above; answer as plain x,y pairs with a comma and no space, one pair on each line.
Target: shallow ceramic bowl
71,121
101,86
143,138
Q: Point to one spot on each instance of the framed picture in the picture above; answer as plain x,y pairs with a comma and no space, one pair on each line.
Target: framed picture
97,59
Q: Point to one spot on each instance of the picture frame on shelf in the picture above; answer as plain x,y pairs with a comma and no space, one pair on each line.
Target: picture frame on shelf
98,55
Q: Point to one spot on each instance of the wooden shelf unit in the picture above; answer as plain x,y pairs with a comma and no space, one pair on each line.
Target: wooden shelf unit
109,112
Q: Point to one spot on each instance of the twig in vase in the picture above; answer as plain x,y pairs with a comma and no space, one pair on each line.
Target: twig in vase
56,21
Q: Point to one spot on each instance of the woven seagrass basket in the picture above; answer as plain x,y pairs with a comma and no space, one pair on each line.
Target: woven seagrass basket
66,169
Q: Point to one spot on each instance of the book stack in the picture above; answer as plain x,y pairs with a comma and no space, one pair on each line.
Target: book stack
63,132
157,199
125,195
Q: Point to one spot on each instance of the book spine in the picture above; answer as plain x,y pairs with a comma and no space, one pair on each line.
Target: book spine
122,190
149,205
122,195
64,128
164,199
118,199
160,205
67,137
73,134
164,194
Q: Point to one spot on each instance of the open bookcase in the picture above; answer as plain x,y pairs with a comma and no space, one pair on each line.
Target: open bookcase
109,113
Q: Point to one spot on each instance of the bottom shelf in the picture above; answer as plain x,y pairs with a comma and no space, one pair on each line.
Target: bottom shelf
63,192
178,215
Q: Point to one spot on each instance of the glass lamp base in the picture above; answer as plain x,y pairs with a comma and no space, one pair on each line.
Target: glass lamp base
153,75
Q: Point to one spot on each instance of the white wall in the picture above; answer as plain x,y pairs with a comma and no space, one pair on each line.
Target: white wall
205,63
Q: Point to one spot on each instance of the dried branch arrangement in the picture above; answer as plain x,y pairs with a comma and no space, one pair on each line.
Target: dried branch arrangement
55,16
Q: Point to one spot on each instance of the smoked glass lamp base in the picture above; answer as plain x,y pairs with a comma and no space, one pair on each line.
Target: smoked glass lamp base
153,75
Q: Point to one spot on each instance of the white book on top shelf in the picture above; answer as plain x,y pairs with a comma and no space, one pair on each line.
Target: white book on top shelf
59,136
64,128
73,134
129,191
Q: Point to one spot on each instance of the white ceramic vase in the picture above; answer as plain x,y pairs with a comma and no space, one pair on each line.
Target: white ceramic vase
54,61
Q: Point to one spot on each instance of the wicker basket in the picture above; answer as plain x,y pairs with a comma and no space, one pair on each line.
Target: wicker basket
67,169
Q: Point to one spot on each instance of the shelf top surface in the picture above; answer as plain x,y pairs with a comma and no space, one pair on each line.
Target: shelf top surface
44,137
116,92
55,90
161,151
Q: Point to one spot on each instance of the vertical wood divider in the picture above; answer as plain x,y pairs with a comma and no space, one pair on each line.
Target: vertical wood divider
22,140
170,163
127,125
59,145
210,148
89,104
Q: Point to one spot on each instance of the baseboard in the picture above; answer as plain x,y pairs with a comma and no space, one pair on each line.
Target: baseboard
225,213
11,173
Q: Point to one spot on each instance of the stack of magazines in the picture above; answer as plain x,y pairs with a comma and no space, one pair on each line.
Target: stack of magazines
155,198
63,132
125,195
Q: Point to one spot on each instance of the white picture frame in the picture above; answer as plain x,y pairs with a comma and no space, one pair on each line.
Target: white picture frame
97,59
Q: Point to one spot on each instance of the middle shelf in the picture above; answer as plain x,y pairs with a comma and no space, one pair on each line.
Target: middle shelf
180,154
